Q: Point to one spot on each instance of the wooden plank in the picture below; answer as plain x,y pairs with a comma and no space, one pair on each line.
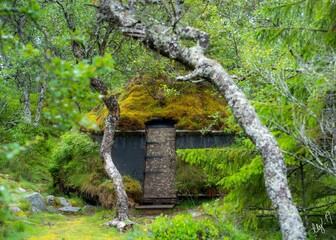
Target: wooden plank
163,206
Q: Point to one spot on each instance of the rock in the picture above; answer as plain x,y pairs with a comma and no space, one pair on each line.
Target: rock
36,210
51,209
36,201
15,209
121,225
63,202
88,208
50,200
20,189
70,209
193,213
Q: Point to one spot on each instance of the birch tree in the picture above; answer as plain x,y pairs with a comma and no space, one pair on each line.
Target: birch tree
121,221
165,39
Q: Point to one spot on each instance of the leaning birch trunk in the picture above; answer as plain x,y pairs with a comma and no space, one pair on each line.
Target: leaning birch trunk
121,220
165,40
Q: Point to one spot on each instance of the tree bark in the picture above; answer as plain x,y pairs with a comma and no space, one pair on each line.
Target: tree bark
27,117
111,122
303,195
43,88
165,40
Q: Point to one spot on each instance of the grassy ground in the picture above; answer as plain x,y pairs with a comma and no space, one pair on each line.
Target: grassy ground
84,226
80,227
54,226
90,223
87,225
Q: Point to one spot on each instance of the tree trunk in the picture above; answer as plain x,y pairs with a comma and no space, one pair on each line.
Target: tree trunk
43,88
27,117
164,40
121,220
303,195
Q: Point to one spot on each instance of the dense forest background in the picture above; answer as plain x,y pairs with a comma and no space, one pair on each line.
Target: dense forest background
281,53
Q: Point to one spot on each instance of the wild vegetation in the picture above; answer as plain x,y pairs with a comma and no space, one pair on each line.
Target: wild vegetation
280,53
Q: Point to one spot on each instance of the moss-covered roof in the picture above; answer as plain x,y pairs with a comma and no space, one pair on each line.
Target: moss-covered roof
193,106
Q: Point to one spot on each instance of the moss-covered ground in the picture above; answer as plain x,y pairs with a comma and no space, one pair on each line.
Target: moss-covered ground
75,227
54,226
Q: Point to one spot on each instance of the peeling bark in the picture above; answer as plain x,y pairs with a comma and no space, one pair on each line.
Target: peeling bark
105,152
164,40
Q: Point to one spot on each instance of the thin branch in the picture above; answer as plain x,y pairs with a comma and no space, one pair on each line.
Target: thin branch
322,206
4,102
295,28
194,74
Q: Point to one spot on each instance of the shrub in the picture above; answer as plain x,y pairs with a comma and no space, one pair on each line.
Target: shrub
182,227
191,179
25,152
78,168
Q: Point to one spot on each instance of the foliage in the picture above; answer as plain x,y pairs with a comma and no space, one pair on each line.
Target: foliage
191,179
232,224
237,170
10,195
182,226
78,168
312,22
4,210
25,152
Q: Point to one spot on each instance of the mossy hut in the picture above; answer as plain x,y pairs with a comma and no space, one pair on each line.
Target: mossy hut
192,106
156,117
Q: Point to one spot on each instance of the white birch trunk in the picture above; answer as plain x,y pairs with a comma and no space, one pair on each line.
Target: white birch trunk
112,171
43,88
121,220
27,117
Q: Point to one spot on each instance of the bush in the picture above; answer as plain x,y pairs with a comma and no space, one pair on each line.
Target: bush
181,227
4,210
78,168
189,178
25,152
184,227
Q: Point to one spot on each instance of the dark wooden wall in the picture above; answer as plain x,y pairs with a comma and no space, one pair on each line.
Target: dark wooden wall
129,149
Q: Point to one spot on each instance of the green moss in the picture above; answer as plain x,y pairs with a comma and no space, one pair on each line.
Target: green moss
146,97
133,188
